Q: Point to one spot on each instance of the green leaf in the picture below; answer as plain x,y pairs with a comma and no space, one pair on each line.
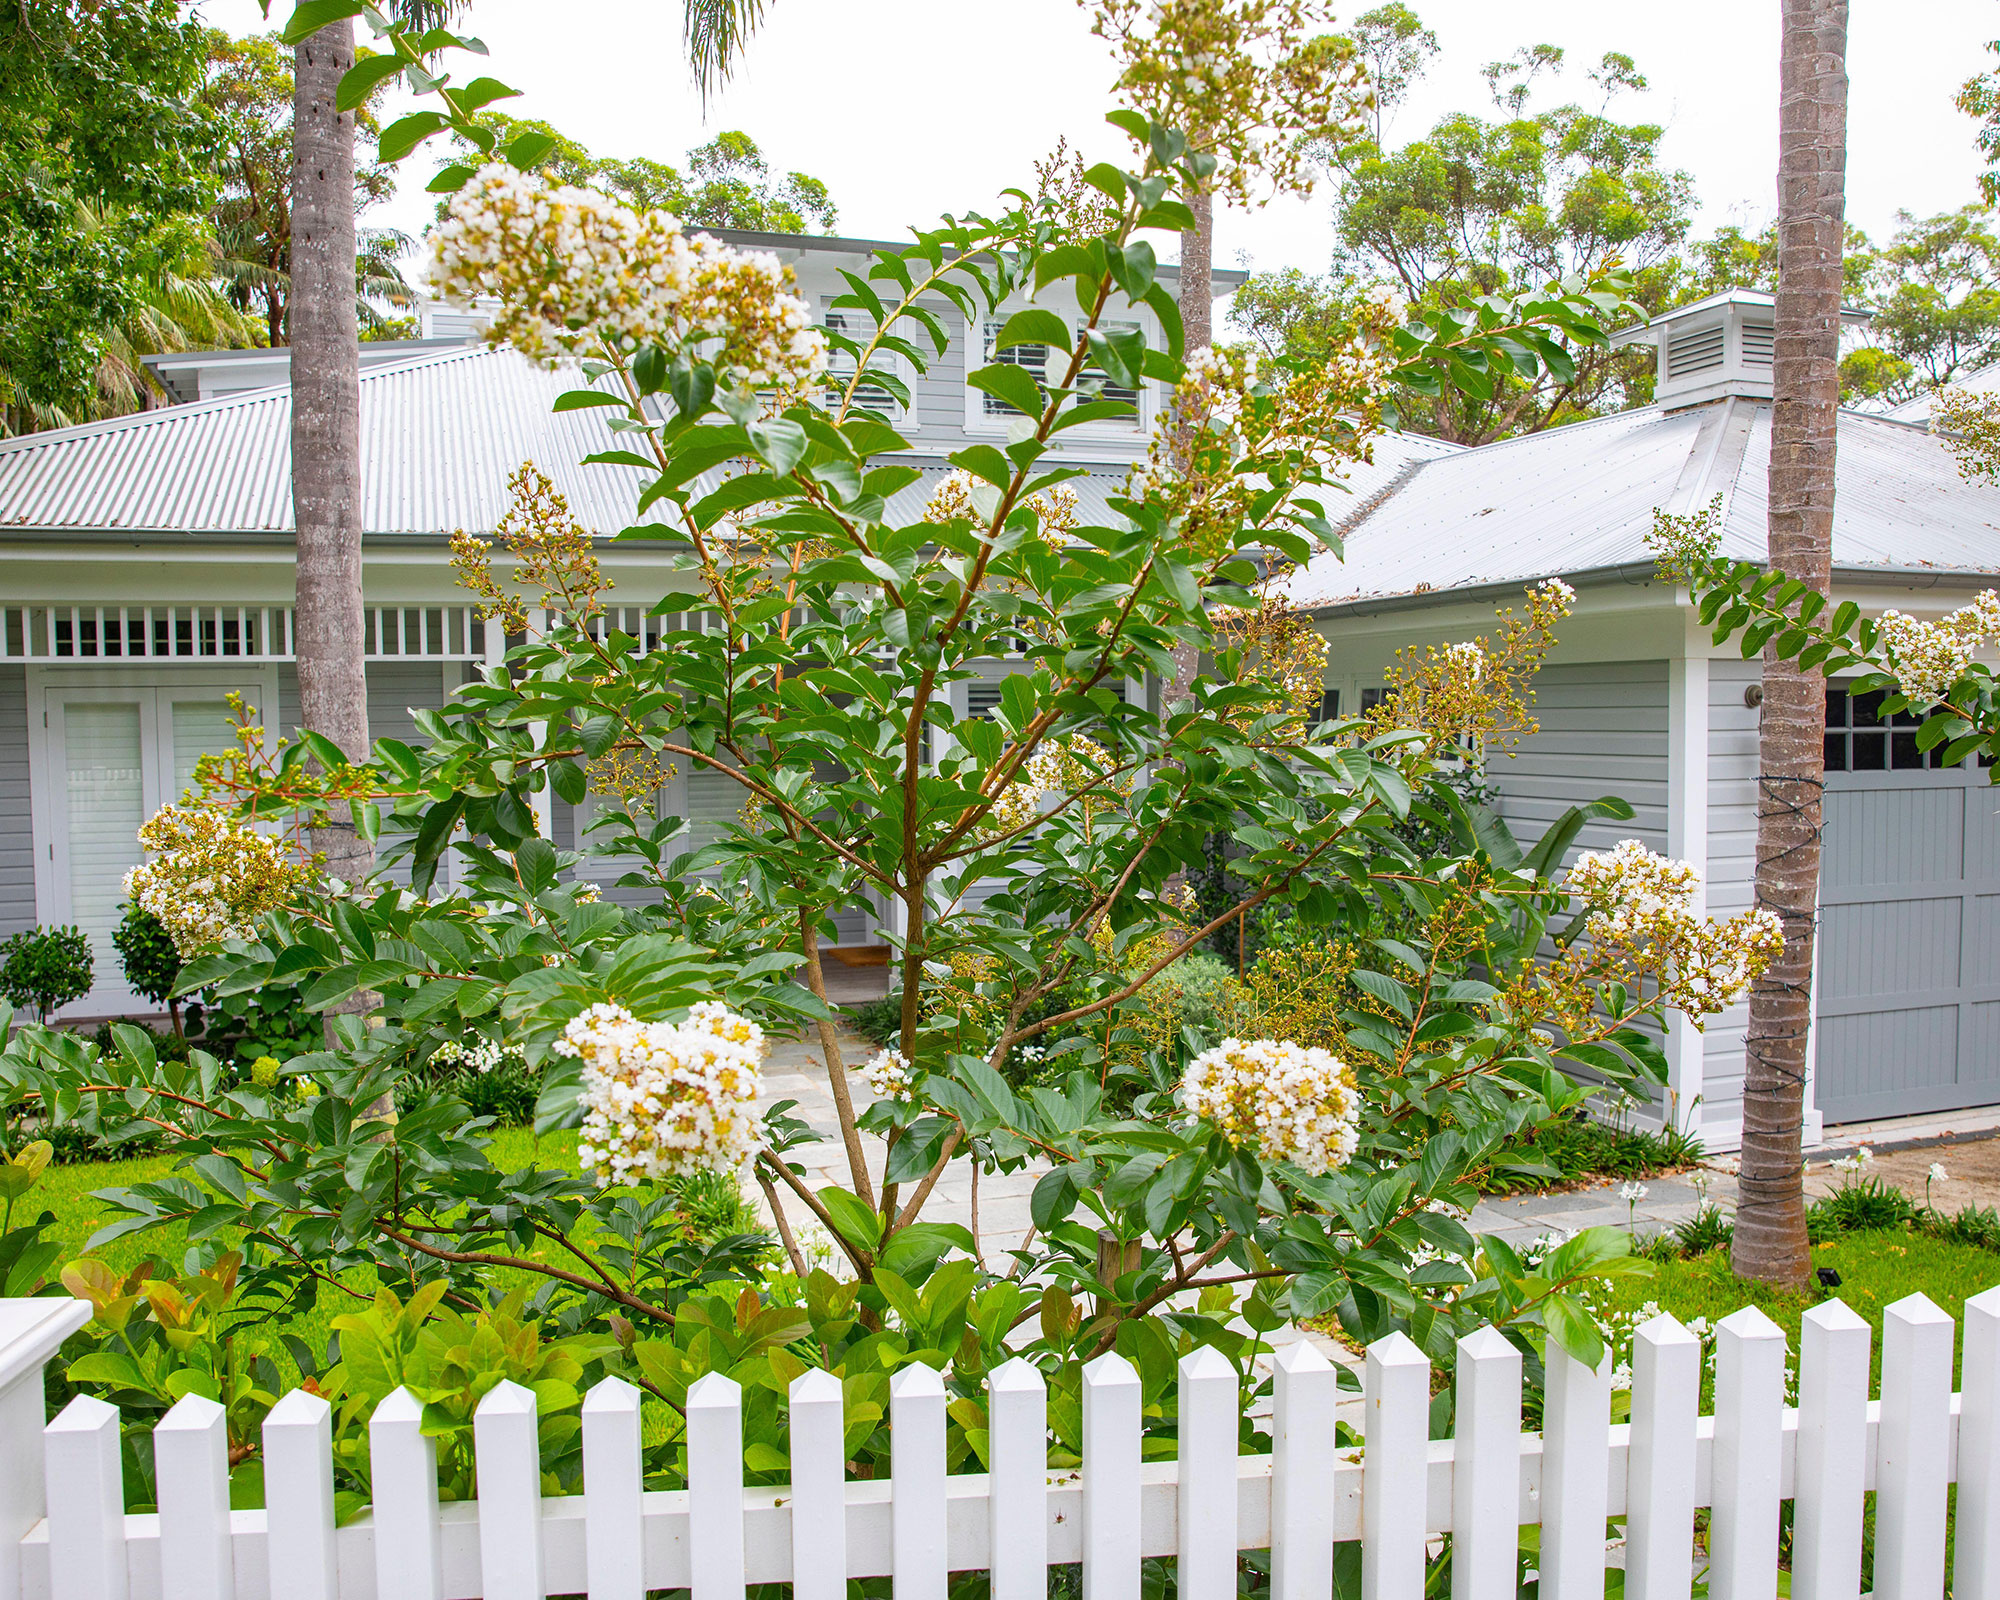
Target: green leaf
526,150
579,399
308,18
406,133
779,441
1012,384
1033,326
859,1223
360,81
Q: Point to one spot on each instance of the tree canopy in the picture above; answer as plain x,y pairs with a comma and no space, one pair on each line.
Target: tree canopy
105,184
1488,204
726,183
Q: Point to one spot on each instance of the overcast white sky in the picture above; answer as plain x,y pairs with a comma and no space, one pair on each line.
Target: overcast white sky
908,108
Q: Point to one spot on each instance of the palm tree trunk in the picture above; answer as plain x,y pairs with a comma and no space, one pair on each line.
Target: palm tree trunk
1770,1240
326,423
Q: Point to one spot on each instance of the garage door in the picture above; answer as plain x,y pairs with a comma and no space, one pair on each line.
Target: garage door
1909,963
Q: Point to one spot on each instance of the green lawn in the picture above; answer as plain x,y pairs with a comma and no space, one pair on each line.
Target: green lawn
1876,1270
70,1192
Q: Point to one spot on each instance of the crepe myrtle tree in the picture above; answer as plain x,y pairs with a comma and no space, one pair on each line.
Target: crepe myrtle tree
810,659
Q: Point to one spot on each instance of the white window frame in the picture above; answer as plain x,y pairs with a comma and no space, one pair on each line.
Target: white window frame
1128,430
904,417
50,687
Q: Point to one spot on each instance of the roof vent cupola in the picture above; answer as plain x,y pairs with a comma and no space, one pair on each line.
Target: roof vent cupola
1715,348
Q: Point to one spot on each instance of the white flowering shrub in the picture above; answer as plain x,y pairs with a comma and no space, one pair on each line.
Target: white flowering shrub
1644,912
575,271
210,876
1278,1098
819,650
665,1099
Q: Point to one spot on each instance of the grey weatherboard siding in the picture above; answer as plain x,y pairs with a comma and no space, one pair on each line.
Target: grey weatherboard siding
17,837
1731,870
1603,732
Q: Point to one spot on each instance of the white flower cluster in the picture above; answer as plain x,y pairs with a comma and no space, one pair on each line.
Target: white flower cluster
1929,657
1467,661
890,1075
665,1099
572,267
1059,766
211,876
1862,1159
1648,904
481,1057
1293,1104
1561,593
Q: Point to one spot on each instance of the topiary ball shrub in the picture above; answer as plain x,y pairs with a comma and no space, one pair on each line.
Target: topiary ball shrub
45,968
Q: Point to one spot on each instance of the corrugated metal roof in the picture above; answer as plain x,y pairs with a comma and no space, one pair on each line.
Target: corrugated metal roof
439,435
1581,499
1981,380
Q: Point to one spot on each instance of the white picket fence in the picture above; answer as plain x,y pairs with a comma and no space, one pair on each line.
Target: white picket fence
64,1532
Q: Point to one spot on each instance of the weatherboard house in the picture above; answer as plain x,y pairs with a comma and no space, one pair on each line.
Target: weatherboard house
1637,701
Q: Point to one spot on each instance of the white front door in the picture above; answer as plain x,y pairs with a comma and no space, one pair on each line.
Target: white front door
110,754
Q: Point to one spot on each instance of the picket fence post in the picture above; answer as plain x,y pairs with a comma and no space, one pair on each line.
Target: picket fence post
1659,1479
507,1456
614,1546
1910,1458
1748,1457
1832,1454
1576,1471
1486,1467
819,1487
1306,1393
1111,1396
1976,1548
191,1475
30,1332
1395,1472
916,1482
402,1469
715,1487
1017,1508
86,1488
1206,1494
298,1497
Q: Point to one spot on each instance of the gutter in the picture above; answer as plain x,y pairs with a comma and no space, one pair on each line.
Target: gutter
1635,574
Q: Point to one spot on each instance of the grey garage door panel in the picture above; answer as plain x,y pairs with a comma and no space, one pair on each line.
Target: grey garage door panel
1909,957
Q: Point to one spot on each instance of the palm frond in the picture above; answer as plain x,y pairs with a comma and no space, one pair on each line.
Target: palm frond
715,33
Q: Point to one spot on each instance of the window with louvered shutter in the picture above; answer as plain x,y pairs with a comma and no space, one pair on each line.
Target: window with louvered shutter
1092,381
840,366
1033,358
